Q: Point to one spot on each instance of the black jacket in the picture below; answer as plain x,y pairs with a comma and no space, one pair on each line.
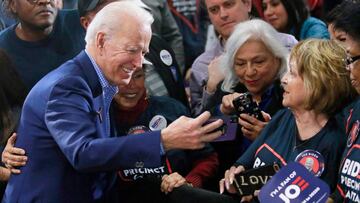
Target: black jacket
170,74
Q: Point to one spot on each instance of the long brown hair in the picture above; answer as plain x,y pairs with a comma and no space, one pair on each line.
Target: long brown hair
12,94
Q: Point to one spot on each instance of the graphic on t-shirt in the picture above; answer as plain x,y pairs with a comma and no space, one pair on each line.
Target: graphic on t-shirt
353,133
133,174
350,175
312,160
266,154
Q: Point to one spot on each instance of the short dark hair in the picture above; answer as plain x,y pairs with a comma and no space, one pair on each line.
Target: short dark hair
253,13
332,16
349,19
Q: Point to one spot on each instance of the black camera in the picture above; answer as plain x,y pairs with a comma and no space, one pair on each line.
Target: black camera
245,104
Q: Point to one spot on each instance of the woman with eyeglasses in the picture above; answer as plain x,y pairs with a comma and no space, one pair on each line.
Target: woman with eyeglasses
348,23
316,88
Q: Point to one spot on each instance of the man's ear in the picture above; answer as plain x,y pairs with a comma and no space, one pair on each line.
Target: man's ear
12,6
85,22
100,41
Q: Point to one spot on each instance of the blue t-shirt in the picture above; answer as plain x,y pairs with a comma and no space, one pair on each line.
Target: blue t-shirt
33,60
313,28
279,143
348,187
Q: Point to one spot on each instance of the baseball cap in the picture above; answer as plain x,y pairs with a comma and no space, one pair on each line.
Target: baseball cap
86,5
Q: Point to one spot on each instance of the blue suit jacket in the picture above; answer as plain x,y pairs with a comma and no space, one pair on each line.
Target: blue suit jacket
70,159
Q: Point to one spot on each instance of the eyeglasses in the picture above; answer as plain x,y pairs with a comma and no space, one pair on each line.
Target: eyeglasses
37,1
349,60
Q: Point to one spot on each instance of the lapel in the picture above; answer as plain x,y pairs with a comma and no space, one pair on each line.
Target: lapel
83,61
98,109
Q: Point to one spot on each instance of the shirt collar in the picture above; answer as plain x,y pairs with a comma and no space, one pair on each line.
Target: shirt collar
103,81
222,41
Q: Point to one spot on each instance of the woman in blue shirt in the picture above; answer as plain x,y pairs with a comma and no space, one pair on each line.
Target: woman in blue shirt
293,17
316,87
348,22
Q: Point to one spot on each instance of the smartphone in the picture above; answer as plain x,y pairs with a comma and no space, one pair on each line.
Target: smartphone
228,128
222,128
245,104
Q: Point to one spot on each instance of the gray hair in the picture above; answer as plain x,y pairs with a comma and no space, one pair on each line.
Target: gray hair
111,18
251,29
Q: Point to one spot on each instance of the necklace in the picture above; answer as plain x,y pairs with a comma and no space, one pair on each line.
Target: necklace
301,143
297,142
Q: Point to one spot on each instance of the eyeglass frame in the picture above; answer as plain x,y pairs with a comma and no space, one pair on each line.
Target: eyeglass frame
350,60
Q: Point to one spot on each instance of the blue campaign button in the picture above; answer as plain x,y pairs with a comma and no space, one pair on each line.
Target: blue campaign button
294,183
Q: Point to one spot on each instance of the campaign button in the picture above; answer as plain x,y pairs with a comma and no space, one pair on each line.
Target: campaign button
158,122
138,129
312,160
294,183
166,57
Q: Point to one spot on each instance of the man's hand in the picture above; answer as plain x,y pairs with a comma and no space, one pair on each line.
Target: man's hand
189,133
169,182
251,127
13,157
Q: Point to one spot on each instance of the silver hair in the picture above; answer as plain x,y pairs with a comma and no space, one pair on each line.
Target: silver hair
251,29
113,16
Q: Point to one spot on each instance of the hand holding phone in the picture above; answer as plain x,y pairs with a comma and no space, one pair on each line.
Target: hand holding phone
245,104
